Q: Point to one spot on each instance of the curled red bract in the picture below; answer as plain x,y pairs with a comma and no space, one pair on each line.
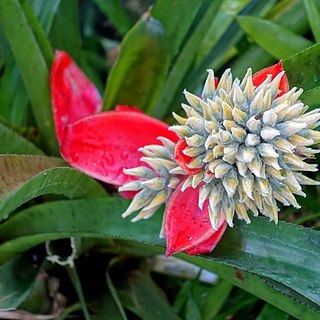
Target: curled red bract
182,159
73,94
274,70
187,227
103,144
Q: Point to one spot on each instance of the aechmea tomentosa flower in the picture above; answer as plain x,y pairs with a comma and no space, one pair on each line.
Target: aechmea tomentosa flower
249,146
244,144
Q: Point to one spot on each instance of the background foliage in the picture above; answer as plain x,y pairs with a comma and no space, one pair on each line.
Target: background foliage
265,272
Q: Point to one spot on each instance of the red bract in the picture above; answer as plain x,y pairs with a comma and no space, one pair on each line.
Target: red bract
182,159
73,94
187,227
102,145
274,70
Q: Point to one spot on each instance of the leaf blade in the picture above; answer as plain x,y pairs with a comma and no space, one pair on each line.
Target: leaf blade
141,67
242,250
279,42
33,66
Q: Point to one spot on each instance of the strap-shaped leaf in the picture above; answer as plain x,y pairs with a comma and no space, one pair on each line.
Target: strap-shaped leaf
12,142
177,23
311,97
276,263
32,54
303,69
140,70
14,284
23,178
279,42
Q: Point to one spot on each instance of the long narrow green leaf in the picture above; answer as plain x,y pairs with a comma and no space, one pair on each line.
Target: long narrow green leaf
276,263
225,17
14,100
46,11
303,69
270,312
216,297
183,63
73,274
178,22
289,15
140,294
38,31
311,97
33,67
314,18
113,291
12,142
116,13
142,65
65,31
15,285
279,42
222,49
15,170
61,181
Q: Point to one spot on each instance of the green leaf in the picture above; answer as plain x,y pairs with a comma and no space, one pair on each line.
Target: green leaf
314,18
25,44
73,275
12,142
303,69
14,100
178,22
139,72
15,170
276,263
311,97
183,63
279,42
116,13
26,177
215,298
289,15
225,47
270,312
15,285
45,12
192,311
113,291
225,17
65,31
142,296
38,31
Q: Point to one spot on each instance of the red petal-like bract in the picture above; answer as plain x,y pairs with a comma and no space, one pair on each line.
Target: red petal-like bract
103,144
187,227
182,159
73,95
274,70
127,108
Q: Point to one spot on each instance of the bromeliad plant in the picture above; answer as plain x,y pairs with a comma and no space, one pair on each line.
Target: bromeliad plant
242,146
239,148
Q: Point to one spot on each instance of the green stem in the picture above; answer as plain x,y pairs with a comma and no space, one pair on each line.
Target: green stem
77,285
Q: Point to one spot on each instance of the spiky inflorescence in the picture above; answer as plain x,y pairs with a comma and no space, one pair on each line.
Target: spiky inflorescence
156,181
249,144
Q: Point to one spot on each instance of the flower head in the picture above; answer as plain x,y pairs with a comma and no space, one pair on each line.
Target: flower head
241,146
248,145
